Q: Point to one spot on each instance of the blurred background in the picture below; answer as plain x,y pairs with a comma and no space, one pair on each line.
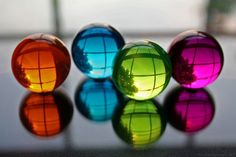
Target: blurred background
132,17
158,20
151,19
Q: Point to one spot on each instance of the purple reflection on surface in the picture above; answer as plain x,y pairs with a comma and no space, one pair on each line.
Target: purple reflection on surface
189,110
197,59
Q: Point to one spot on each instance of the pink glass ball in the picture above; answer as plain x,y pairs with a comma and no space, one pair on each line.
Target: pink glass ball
197,59
189,110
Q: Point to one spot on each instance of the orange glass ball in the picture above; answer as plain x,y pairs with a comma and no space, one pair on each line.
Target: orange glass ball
40,62
46,114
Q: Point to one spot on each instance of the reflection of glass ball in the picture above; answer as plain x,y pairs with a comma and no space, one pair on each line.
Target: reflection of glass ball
40,62
46,114
197,59
94,49
97,100
142,70
139,123
189,110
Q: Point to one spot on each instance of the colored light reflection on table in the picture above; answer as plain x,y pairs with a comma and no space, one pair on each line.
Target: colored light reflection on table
189,110
46,114
40,62
197,59
139,123
142,70
97,100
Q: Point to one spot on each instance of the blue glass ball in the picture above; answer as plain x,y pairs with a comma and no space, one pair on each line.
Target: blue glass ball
97,100
94,49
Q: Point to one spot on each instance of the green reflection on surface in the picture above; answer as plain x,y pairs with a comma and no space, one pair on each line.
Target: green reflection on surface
139,123
142,70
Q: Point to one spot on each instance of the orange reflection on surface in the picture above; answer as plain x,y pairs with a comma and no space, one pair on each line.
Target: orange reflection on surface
41,62
46,114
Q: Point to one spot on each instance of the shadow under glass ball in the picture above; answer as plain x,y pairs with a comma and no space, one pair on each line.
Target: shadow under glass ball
97,99
46,114
142,70
139,123
40,62
94,49
188,110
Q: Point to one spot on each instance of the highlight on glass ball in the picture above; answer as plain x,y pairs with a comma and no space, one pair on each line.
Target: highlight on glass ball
46,114
94,49
97,100
197,59
142,70
189,111
40,62
139,123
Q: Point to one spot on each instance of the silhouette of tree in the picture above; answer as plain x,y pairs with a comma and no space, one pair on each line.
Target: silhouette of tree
21,75
123,132
185,71
81,59
83,62
125,80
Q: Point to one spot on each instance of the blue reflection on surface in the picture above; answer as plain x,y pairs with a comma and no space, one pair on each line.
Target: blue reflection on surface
97,100
94,49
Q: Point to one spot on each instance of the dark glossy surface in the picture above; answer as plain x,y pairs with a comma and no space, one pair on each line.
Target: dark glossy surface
83,137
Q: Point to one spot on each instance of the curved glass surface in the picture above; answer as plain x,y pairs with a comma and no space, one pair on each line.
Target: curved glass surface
142,70
46,114
139,123
94,49
97,99
197,59
189,110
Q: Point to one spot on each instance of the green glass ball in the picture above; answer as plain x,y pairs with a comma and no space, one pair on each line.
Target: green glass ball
139,123
142,70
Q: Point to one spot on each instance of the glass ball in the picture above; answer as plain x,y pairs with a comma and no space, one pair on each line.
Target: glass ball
94,49
139,123
97,100
142,70
46,114
40,62
189,110
197,59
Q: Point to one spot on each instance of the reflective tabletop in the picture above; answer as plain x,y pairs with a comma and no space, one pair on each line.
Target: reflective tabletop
84,117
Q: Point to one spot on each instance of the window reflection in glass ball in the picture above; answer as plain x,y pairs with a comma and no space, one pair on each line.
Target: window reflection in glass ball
46,114
41,62
197,59
139,123
142,70
97,99
189,110
94,49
